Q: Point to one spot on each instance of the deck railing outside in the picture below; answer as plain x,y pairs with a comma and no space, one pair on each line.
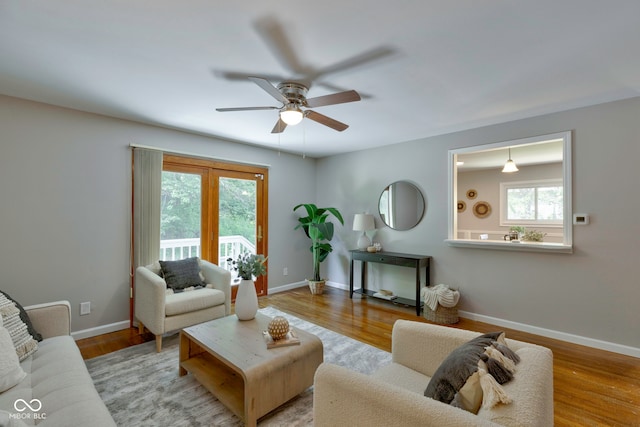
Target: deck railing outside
229,247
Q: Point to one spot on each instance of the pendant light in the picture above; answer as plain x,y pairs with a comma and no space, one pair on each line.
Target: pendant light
510,166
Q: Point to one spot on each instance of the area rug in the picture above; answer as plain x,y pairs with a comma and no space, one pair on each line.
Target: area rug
142,388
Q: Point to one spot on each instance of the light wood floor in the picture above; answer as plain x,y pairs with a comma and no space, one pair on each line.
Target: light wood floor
591,387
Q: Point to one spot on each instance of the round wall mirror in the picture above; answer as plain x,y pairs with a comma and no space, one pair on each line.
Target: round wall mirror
401,205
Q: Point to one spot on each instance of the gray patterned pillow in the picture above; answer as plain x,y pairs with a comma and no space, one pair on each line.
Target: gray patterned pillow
181,274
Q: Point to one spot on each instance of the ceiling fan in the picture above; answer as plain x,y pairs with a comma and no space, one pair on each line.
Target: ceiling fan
293,97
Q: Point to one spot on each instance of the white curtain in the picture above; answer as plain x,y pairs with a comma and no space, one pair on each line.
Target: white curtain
147,191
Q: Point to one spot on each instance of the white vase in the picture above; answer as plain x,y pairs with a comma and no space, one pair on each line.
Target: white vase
246,300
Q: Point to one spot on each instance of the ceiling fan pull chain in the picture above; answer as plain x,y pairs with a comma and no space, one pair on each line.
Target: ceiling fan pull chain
304,140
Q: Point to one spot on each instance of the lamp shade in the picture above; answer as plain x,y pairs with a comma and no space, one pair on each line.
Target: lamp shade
510,165
363,222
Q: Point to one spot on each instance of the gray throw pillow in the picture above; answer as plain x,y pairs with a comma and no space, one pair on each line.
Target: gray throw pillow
181,274
461,363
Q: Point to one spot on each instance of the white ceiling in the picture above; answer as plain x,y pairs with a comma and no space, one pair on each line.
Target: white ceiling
444,65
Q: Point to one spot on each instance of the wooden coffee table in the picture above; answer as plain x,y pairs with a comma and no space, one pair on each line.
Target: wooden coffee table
230,358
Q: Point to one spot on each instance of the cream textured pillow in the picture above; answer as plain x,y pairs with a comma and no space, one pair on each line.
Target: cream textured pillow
11,372
23,343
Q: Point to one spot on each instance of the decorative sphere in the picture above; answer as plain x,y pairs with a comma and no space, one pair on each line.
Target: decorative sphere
278,328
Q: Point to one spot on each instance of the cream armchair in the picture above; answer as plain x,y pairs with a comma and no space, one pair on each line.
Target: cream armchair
394,395
161,313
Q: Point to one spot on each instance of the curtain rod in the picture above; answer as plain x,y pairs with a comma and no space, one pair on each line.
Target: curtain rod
200,156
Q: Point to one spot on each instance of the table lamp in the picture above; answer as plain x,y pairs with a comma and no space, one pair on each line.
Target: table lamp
364,223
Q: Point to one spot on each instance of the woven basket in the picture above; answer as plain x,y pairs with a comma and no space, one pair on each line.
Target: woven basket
316,288
442,315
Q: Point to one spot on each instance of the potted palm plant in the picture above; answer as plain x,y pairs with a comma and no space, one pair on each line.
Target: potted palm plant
320,231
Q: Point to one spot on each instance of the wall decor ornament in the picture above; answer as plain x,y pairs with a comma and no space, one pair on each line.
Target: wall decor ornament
472,194
462,206
482,209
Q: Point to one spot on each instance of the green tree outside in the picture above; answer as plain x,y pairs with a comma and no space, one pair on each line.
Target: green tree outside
181,207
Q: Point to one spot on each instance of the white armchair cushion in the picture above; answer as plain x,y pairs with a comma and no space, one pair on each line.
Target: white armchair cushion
187,302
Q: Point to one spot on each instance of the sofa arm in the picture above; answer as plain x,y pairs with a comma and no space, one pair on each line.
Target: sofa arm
220,279
344,397
51,319
150,295
423,346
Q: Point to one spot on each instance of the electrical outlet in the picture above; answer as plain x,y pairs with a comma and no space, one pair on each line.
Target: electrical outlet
580,219
285,271
85,308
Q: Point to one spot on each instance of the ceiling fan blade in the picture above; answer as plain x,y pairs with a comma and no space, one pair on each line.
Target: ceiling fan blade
274,35
269,88
335,98
225,110
279,127
356,61
324,120
242,76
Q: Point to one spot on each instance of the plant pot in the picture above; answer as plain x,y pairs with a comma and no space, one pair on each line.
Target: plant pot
246,305
316,286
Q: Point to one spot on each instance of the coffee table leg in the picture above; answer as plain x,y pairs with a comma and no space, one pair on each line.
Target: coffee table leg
250,418
184,353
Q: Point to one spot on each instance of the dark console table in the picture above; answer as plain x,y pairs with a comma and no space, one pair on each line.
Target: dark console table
393,258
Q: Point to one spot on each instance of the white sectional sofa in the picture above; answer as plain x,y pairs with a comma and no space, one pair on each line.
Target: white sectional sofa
57,390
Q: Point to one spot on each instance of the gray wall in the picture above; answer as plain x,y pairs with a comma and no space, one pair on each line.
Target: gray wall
589,296
65,205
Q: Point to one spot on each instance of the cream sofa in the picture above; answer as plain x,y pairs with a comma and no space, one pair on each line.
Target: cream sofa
56,376
394,395
161,313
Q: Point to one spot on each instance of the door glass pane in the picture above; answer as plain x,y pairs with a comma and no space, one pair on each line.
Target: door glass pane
180,215
237,218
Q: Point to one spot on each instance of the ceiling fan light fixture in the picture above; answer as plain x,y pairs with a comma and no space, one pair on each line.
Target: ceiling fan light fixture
291,114
510,165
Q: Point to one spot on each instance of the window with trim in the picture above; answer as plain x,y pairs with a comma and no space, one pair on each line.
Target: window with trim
532,203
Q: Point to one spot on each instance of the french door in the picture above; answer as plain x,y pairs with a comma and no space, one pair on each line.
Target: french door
213,210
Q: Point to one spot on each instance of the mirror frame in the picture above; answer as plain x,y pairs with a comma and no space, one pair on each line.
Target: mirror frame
418,191
567,224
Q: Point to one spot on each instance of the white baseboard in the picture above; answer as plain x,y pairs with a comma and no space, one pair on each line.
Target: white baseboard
99,330
337,285
550,333
287,287
304,283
